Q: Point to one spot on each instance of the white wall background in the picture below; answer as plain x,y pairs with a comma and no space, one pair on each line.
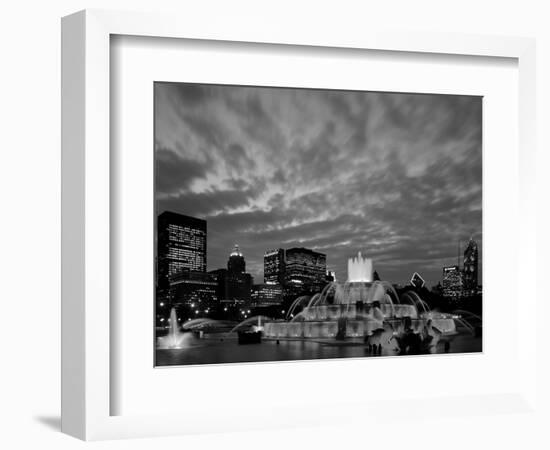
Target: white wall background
30,195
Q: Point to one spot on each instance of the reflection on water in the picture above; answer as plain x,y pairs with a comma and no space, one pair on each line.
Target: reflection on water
217,351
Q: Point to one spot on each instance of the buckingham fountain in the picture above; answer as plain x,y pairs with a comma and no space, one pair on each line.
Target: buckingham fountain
364,308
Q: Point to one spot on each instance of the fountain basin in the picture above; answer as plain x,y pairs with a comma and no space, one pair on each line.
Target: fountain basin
353,312
359,328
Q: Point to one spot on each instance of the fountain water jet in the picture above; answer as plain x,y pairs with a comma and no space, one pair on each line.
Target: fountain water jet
360,269
175,339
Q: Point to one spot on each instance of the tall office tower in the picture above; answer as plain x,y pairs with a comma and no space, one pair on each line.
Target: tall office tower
274,267
236,263
452,283
238,282
305,271
181,245
470,270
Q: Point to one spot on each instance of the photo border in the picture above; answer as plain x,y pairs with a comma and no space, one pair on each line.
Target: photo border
281,88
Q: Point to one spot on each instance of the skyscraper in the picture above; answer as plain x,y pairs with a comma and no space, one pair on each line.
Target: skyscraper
470,271
181,245
305,270
236,264
238,282
452,281
274,266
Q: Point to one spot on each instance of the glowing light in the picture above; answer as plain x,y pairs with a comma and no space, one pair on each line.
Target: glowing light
236,251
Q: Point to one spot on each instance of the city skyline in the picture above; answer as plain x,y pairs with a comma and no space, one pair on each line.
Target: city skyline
396,176
268,277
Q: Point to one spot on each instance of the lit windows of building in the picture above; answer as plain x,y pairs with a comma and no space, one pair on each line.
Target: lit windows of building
274,266
305,270
470,270
181,246
452,284
267,294
192,289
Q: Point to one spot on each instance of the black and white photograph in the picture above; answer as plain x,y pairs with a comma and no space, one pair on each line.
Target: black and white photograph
286,225
302,224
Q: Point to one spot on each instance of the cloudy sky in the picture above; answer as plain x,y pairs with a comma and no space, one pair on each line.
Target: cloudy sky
397,176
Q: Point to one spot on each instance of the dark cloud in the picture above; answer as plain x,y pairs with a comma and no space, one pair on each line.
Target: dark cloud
397,176
237,157
256,123
174,173
205,203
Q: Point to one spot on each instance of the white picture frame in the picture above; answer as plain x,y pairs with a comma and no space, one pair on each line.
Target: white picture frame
86,192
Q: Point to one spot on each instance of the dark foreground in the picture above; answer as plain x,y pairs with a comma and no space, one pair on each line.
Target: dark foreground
227,350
